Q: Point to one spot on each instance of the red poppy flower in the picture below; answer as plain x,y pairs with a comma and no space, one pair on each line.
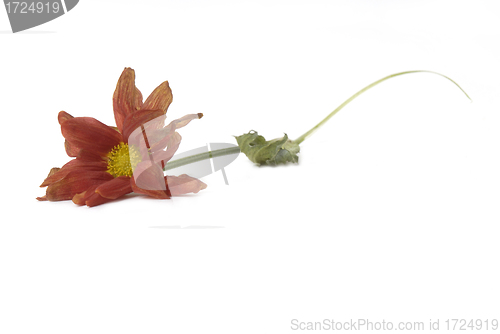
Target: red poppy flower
111,162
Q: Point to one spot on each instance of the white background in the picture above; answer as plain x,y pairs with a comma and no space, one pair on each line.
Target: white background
392,213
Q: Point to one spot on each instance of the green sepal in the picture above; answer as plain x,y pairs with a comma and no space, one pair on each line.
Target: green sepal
272,152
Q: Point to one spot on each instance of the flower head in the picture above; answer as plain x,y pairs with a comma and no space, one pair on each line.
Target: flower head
110,162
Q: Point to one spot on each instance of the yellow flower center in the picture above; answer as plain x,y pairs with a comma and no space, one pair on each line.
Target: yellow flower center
122,160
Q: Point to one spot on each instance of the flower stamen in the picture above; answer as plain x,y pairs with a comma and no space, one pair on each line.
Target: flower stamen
122,160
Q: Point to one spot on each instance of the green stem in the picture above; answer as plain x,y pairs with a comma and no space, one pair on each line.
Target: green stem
201,156
234,150
310,132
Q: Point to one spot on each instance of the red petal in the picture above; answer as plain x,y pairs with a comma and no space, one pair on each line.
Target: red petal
96,199
80,198
71,150
75,164
138,99
89,156
93,196
160,98
115,188
149,119
74,183
89,198
126,98
63,116
89,134
184,184
52,171
148,179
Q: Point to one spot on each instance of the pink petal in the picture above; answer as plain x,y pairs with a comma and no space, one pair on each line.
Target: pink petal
184,184
183,121
160,139
148,179
172,145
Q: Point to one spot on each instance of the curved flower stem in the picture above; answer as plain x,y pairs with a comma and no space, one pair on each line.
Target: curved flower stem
201,156
310,132
234,150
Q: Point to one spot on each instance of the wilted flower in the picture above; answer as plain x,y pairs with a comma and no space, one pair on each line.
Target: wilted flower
111,162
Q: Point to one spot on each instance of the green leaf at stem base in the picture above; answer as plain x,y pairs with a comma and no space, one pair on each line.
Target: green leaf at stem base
272,152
